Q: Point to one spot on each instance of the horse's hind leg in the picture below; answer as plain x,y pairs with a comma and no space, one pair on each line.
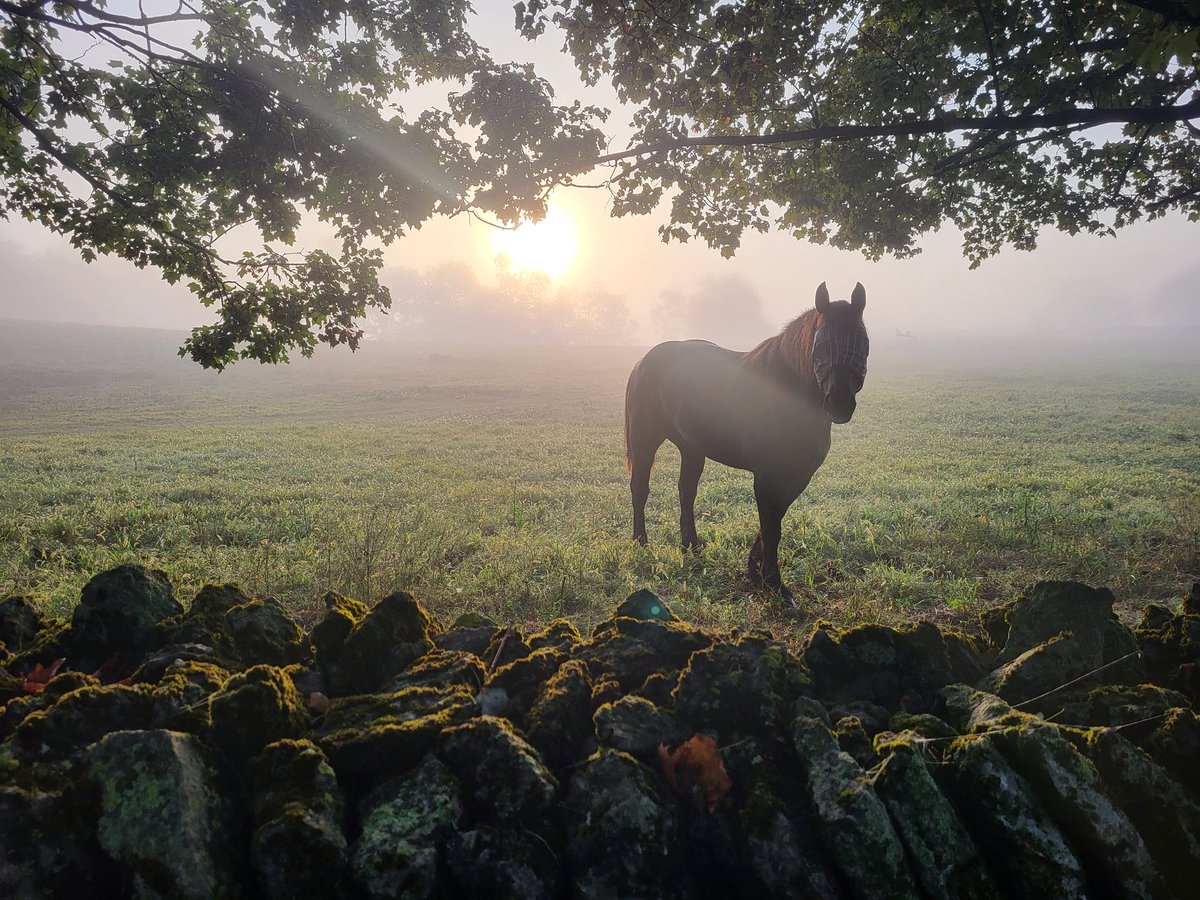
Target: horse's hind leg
643,445
691,467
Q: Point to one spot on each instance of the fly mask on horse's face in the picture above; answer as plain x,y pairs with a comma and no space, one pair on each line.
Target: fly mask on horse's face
839,354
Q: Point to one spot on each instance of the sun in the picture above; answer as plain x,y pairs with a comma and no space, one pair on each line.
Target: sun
547,246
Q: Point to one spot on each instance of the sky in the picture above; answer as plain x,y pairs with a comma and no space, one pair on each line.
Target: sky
1145,279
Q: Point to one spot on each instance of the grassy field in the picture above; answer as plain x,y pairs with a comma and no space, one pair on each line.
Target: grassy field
496,481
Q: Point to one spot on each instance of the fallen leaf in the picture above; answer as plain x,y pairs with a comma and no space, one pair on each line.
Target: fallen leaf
107,673
318,702
697,761
36,678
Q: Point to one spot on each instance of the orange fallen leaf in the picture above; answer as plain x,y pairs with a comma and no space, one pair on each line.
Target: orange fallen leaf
36,678
696,761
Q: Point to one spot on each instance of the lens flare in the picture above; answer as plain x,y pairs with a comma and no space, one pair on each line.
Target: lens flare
547,246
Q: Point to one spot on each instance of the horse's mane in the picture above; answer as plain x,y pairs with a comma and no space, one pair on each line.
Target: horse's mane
790,350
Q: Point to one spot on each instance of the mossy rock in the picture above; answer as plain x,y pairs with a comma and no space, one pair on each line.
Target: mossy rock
255,708
85,715
505,647
52,643
925,725
559,634
371,737
1040,670
1172,652
119,611
503,775
393,635
470,633
442,669
1069,788
1175,745
1167,820
559,723
204,625
155,664
21,620
328,637
49,847
406,823
502,864
645,605
1050,608
299,848
631,650
621,834
746,687
262,631
636,726
162,817
852,821
1117,705
1023,846
512,689
854,741
944,858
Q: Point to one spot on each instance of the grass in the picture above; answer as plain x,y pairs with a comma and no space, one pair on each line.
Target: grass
496,482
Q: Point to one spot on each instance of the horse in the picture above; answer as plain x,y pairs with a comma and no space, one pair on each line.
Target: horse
769,410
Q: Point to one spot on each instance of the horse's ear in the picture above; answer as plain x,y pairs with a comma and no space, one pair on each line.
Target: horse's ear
858,299
822,299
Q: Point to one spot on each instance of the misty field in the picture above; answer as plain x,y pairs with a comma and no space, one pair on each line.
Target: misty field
495,481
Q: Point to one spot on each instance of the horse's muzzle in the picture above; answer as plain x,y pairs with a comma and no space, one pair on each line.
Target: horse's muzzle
840,413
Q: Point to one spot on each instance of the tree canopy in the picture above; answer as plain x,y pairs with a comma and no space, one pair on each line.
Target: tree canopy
164,132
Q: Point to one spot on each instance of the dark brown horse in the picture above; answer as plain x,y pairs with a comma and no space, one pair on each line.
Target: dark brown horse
768,411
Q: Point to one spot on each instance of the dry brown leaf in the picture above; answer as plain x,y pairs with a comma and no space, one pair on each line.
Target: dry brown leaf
35,681
696,761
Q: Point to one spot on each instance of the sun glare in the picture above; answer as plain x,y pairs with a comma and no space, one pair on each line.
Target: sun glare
546,246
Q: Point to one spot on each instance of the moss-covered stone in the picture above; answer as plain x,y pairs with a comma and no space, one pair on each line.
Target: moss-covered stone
1022,845
262,631
255,708
1167,820
631,650
512,689
502,864
203,625
442,669
1116,705
1175,745
503,775
404,828
851,820
944,858
118,612
925,725
645,605
747,687
162,819
298,848
621,835
1040,670
636,726
49,846
393,635
560,633
1172,652
559,723
21,619
371,737
506,646
51,643
470,633
853,740
328,636
83,716
1053,607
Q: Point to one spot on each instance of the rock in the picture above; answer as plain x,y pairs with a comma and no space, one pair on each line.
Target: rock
512,689
645,605
503,775
621,834
1172,651
21,619
636,726
631,650
1068,786
470,633
659,688
255,708
747,687
502,864
1050,608
118,612
1166,819
854,742
328,637
559,634
506,646
204,623
781,859
851,820
1114,705
559,724
1191,603
263,632
155,664
298,848
83,716
49,849
393,635
925,725
1039,671
1022,845
442,669
1175,745
404,827
162,819
944,858
373,736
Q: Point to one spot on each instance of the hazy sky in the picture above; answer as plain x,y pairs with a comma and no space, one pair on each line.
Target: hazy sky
1146,277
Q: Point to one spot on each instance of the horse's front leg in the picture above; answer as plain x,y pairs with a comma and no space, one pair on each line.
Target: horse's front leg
754,561
691,467
772,504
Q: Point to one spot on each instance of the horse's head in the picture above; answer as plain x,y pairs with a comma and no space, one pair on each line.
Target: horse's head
839,351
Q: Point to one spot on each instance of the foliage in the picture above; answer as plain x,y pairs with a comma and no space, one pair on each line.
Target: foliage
153,136
867,124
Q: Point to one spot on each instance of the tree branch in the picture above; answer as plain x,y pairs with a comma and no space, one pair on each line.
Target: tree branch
1076,118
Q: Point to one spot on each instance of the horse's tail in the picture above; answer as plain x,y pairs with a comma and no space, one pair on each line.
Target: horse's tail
628,404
